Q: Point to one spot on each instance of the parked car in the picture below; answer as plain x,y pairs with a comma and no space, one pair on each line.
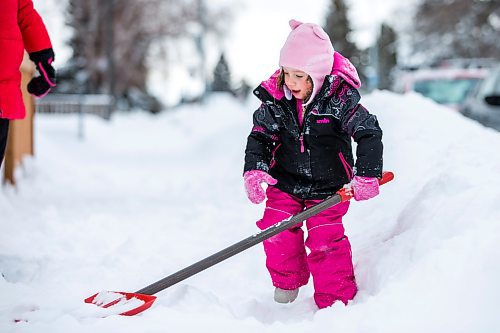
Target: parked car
465,63
448,86
483,104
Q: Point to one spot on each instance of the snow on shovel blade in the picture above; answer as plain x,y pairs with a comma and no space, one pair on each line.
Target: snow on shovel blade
125,304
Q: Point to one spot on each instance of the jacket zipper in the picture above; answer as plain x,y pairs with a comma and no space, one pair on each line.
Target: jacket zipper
305,115
301,128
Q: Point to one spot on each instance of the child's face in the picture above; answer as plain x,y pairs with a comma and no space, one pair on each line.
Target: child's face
298,82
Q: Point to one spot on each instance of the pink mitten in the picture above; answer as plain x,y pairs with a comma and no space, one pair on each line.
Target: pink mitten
364,188
253,180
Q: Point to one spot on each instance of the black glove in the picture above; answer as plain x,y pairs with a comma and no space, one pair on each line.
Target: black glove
41,85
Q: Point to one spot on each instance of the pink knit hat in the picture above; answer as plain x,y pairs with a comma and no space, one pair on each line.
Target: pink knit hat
308,48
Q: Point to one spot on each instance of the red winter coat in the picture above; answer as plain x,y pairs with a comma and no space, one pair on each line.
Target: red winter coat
20,28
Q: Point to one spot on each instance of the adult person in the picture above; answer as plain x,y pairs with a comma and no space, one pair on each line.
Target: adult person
21,28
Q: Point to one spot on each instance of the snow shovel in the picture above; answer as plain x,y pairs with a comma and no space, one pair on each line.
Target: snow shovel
129,304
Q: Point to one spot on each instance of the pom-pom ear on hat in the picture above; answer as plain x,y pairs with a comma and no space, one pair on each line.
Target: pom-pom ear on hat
308,48
294,23
320,33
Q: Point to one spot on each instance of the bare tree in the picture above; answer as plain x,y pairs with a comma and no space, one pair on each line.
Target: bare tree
136,25
339,29
386,56
458,28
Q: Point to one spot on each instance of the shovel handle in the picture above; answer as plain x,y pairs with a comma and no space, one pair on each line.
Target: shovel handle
145,294
250,241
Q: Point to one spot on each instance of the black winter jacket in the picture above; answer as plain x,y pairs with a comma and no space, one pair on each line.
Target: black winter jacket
314,160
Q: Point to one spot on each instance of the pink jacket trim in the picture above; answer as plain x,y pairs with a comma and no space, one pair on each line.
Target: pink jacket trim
346,70
271,86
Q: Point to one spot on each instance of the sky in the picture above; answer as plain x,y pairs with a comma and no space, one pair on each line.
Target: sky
258,35
143,196
259,29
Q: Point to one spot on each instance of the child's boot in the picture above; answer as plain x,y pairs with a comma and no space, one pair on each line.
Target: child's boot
285,296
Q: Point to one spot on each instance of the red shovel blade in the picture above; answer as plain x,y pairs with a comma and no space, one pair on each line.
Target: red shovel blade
131,303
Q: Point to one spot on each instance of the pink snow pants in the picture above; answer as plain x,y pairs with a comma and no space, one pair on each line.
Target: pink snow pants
329,261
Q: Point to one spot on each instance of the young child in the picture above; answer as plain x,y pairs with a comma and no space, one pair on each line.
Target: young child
300,145
21,28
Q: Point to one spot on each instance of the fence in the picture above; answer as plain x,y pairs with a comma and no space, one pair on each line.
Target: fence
20,141
97,104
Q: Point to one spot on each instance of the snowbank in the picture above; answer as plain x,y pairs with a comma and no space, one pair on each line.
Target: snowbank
144,196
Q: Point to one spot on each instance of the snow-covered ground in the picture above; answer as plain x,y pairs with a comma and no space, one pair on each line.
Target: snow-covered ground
144,196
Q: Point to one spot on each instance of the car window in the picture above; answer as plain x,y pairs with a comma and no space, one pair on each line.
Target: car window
490,85
446,91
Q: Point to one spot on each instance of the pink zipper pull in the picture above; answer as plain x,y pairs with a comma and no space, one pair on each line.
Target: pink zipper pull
302,143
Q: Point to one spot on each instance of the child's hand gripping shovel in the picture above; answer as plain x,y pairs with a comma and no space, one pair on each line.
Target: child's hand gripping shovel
134,303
